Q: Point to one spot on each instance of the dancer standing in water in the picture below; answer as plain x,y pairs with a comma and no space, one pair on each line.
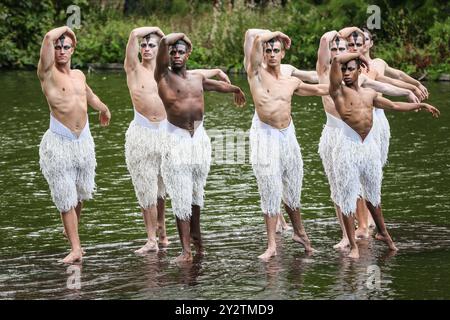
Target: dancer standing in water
66,152
356,157
143,139
331,45
187,155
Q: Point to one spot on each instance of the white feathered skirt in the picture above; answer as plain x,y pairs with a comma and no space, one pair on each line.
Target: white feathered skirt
185,167
330,135
277,164
357,168
143,151
68,164
384,135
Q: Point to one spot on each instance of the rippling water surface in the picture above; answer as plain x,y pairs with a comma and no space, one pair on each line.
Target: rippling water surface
416,203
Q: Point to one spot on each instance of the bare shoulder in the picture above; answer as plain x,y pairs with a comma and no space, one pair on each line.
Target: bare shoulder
78,73
368,92
379,61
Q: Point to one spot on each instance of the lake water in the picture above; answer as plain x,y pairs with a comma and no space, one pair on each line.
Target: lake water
416,203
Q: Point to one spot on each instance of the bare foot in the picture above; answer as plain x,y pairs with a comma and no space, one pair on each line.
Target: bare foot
183,257
75,256
387,239
303,240
343,244
164,241
150,246
354,253
268,254
362,233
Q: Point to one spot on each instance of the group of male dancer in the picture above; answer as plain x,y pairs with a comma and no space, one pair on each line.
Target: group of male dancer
169,153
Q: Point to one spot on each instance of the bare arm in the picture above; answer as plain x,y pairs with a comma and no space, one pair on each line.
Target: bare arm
162,58
398,74
307,76
388,89
220,86
324,54
305,89
346,32
256,56
386,104
132,51
211,73
97,104
47,55
250,35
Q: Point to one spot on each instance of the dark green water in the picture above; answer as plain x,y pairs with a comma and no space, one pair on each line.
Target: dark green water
416,202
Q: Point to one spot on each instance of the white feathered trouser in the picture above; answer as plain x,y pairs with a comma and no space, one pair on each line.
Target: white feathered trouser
357,168
277,164
143,149
68,164
185,167
384,135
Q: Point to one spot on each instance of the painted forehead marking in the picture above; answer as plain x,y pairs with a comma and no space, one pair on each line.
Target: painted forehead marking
61,40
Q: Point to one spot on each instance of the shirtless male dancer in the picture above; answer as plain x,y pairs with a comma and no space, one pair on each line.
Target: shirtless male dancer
143,139
286,70
331,45
66,152
359,41
275,153
356,157
187,154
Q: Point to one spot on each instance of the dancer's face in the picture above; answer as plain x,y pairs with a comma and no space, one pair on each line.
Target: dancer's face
149,47
355,42
273,53
350,72
178,55
63,50
337,47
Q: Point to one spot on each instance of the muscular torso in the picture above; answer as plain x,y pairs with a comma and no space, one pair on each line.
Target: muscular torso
144,94
182,99
356,109
273,97
66,97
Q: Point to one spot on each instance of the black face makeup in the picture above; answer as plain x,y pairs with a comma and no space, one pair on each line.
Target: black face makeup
151,45
178,48
61,44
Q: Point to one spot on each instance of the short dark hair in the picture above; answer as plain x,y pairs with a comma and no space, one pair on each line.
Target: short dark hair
184,43
371,36
273,40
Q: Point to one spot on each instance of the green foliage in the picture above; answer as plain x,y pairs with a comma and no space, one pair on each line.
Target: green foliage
414,36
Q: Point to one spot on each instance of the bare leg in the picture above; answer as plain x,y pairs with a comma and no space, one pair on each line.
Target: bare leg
78,212
370,219
382,234
70,223
163,240
150,220
184,233
362,215
299,230
344,241
196,236
281,224
271,225
349,223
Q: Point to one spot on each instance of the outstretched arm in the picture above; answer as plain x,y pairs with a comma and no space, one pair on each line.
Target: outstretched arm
307,76
162,58
305,89
256,56
386,104
388,89
211,73
324,54
97,104
402,84
132,51
398,74
220,86
47,55
250,35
